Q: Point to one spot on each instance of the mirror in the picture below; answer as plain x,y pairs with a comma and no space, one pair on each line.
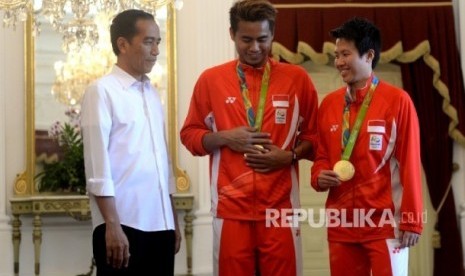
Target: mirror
43,108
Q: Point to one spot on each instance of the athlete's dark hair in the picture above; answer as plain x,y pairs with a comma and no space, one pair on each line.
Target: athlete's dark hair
252,11
363,33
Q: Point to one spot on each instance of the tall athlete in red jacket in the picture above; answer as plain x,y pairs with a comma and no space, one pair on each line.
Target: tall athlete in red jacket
254,117
374,203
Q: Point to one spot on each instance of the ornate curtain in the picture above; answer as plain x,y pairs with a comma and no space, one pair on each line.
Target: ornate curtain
420,37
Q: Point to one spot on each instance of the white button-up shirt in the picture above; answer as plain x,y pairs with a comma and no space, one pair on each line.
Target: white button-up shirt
125,152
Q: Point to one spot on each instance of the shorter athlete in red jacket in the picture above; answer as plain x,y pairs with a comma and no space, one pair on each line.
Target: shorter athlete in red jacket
368,157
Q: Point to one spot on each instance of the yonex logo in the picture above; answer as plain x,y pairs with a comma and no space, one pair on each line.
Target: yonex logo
230,100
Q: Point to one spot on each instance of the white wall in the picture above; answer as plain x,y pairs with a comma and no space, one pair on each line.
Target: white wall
11,133
203,41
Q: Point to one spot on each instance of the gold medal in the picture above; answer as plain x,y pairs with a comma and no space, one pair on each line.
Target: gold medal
260,147
344,169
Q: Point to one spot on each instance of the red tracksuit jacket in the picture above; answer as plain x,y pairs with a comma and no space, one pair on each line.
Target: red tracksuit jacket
387,163
237,192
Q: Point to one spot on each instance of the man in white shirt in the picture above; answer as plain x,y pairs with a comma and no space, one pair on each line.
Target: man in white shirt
128,171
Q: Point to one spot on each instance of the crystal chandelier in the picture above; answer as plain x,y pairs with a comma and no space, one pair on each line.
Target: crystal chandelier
76,73
73,18
83,26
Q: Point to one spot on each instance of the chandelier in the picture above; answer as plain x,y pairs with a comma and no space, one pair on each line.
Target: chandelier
83,26
74,75
77,71
73,18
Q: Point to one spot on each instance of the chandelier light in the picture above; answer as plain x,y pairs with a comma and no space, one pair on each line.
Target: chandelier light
76,73
73,18
83,25
73,75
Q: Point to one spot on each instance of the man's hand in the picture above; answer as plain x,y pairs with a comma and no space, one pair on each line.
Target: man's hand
177,241
268,158
177,232
244,139
240,139
327,179
408,239
117,246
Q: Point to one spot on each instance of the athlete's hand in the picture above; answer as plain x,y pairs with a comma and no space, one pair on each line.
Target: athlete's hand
327,179
244,139
268,159
408,239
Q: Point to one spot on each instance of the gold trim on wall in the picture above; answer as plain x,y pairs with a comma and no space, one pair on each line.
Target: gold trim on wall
24,183
181,177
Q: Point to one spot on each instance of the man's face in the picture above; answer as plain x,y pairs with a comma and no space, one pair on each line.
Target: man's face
353,68
142,51
253,42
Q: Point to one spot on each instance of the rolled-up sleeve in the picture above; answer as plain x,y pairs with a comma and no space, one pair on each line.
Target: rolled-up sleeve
95,127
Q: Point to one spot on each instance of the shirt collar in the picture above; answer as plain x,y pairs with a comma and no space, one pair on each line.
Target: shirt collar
359,93
247,67
126,79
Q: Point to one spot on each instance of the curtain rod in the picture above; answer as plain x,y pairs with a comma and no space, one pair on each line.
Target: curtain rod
363,5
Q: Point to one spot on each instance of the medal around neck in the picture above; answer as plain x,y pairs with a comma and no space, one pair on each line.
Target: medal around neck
344,169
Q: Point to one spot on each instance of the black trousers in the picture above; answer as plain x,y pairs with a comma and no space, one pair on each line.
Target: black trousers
152,253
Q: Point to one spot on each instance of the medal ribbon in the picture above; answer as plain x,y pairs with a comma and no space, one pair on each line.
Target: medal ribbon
358,121
254,121
345,122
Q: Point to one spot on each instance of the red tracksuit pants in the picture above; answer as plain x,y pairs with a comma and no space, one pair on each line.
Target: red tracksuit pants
376,258
241,248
